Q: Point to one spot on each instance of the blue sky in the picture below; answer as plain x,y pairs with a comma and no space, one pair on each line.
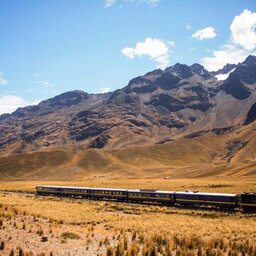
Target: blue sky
49,46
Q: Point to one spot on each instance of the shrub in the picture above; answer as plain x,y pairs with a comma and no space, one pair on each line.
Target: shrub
133,251
69,235
110,251
21,252
120,249
2,245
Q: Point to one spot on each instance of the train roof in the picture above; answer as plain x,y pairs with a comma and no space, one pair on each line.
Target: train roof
110,189
151,191
51,186
68,187
144,191
203,193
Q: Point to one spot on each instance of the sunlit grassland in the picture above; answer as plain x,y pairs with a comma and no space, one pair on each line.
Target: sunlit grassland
111,218
143,227
206,185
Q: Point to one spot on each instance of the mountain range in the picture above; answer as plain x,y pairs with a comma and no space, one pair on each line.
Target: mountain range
162,110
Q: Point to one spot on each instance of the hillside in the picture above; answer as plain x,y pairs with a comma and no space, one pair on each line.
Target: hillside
179,122
209,155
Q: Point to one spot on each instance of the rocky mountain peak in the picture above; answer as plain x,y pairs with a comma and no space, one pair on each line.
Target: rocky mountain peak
201,71
197,68
181,70
250,60
68,98
242,80
225,70
246,71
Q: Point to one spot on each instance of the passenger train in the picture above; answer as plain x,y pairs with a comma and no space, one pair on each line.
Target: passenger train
245,201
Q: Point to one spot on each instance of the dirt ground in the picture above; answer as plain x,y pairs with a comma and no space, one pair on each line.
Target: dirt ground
35,225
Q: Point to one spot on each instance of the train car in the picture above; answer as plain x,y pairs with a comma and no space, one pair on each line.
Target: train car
108,193
63,191
212,199
248,202
48,190
75,192
140,195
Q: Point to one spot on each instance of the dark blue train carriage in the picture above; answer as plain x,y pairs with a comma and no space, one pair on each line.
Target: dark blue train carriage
108,193
246,201
143,195
213,199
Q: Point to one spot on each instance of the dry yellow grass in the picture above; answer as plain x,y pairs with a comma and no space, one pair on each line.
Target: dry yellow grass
111,218
206,185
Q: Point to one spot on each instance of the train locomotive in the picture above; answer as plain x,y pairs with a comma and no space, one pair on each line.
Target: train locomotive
245,201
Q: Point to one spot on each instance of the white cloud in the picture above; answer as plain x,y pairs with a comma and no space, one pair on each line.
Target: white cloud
153,2
205,33
104,90
243,30
242,43
188,26
9,103
155,49
109,3
228,53
2,80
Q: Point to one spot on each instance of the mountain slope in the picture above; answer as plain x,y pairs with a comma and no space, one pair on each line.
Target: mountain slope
156,108
230,154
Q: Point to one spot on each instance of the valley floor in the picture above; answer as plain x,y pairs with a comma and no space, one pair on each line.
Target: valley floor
35,225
